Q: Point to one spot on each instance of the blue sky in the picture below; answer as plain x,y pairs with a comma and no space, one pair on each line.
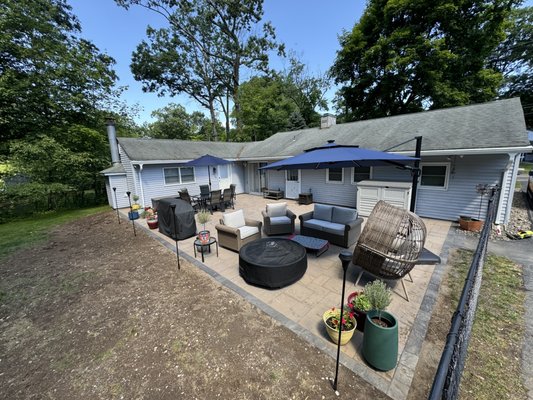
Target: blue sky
309,27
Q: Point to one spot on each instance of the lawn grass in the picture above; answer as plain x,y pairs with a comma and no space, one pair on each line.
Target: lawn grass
527,167
23,233
492,369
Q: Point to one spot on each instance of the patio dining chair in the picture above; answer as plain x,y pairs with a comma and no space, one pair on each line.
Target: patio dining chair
227,198
185,196
215,201
390,244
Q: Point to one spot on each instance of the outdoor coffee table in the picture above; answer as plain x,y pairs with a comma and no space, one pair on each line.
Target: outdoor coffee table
272,262
311,243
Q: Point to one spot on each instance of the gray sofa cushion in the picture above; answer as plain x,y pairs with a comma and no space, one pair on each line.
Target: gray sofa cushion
342,215
333,228
322,212
279,220
329,227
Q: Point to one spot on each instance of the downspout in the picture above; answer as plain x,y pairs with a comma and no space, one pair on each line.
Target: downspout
141,184
512,169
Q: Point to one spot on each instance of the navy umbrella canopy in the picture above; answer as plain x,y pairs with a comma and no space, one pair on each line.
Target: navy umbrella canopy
206,161
332,155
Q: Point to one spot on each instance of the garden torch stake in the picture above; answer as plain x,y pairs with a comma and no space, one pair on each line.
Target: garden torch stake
116,204
173,208
131,214
345,257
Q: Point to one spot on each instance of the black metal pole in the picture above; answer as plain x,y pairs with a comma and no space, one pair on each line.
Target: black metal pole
173,208
345,257
116,204
416,173
131,214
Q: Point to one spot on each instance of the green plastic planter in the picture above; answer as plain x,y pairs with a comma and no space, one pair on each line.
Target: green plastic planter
380,345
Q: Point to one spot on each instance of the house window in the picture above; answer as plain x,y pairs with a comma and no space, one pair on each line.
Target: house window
334,175
360,174
434,175
176,176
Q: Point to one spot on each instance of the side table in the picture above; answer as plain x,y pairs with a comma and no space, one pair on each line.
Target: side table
305,198
203,246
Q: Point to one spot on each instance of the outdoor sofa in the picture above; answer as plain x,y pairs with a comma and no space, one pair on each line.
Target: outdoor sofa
338,225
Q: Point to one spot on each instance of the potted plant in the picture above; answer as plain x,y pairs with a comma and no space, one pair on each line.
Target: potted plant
203,218
346,325
358,302
380,341
151,217
475,224
134,212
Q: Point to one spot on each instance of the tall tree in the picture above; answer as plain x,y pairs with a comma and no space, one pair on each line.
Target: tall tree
204,48
173,122
48,74
265,108
514,59
408,55
305,90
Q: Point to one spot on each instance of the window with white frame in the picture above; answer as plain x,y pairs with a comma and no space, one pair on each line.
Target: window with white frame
178,175
434,175
335,175
360,174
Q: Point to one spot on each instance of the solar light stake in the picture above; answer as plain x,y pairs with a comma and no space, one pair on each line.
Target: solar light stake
345,257
116,204
173,208
131,214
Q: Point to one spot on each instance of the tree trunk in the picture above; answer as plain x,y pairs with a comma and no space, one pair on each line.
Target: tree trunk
213,115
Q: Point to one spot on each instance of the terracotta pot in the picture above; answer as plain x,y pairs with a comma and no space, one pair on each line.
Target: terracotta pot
333,333
470,224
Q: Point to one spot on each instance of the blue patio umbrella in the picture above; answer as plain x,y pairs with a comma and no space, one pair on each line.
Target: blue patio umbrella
206,161
333,155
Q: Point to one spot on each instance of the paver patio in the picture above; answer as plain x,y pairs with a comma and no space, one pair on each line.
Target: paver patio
300,306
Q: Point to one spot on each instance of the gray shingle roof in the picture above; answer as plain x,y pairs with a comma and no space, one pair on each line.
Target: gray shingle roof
496,124
115,169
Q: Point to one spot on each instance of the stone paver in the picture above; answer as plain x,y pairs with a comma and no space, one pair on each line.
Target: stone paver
300,306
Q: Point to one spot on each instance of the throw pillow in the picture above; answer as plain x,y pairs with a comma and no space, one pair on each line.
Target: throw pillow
322,212
234,219
276,209
342,215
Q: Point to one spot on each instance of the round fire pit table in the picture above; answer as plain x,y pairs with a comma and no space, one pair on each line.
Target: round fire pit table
272,262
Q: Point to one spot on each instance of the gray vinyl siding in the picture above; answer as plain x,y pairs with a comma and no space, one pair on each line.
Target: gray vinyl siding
237,177
276,180
507,190
120,183
461,197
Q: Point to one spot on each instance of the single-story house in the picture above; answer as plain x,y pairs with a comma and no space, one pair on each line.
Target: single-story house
462,147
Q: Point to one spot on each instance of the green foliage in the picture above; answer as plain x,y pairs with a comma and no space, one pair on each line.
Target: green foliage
296,122
48,75
265,109
203,49
362,303
26,232
514,59
408,55
379,295
173,122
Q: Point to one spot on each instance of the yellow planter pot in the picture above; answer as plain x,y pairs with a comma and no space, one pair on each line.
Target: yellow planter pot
333,333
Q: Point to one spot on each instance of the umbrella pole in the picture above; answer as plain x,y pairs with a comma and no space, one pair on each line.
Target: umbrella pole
209,175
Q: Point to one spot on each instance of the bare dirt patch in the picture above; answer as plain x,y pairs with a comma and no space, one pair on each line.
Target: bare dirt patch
98,313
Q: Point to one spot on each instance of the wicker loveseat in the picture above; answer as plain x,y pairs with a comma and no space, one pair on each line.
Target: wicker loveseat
338,225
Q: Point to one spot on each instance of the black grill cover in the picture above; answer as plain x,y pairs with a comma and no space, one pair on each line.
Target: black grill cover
184,220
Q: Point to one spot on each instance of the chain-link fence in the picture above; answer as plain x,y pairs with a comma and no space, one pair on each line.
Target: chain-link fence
449,372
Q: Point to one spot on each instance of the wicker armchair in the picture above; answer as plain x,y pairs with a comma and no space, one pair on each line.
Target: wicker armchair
390,244
234,230
278,219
